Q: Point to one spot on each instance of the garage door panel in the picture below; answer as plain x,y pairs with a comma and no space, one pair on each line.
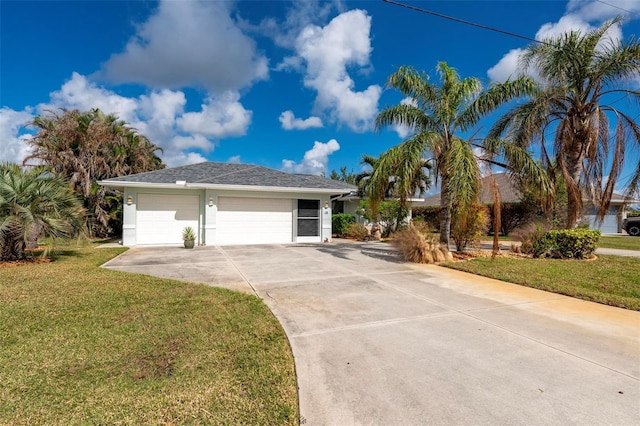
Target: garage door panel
254,220
161,219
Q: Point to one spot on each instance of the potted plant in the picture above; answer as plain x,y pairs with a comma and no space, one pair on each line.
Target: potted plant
189,237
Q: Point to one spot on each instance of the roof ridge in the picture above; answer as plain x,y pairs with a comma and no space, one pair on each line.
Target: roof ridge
249,167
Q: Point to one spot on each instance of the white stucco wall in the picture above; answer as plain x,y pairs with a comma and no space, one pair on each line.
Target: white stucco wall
207,228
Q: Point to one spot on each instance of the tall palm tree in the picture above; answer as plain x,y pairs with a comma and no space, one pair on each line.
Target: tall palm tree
580,73
35,200
86,147
437,115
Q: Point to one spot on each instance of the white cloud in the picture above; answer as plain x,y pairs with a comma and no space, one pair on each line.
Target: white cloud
158,115
13,149
600,11
182,143
402,130
581,16
315,160
301,14
291,63
235,159
189,43
507,66
290,122
179,158
221,116
80,93
327,52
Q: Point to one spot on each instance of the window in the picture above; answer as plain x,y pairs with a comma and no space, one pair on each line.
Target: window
308,218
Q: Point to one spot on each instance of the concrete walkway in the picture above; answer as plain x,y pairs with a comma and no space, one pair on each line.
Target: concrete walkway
381,342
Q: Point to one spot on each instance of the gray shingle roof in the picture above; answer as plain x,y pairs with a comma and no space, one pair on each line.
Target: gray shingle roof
509,193
233,174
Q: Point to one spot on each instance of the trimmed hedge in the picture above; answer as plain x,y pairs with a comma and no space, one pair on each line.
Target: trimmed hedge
430,216
340,223
567,244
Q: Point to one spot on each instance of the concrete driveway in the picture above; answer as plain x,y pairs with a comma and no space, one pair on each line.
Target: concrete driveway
381,342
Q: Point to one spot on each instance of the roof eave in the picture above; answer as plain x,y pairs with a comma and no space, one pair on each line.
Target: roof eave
124,184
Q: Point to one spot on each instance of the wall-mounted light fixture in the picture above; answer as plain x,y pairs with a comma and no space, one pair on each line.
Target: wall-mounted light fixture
326,204
129,200
210,201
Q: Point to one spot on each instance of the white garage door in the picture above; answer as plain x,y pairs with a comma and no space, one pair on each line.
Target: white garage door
610,223
160,219
254,221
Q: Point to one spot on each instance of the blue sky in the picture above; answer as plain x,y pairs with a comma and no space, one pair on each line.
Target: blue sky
288,85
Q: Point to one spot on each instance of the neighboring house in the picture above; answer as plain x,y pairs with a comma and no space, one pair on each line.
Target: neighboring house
226,204
350,204
509,193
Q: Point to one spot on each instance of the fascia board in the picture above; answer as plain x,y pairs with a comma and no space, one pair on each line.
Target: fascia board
122,184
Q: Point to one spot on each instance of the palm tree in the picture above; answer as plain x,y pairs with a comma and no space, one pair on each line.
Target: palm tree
362,178
438,114
86,147
35,201
580,73
393,177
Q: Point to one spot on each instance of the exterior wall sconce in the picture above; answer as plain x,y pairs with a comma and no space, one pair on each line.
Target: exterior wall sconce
129,200
326,204
210,201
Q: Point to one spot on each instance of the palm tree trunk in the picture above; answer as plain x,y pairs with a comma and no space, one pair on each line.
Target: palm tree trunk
445,213
12,246
574,158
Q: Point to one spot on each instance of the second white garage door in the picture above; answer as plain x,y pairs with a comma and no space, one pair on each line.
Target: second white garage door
254,221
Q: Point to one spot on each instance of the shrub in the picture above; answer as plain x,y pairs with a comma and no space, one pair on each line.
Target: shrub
417,244
430,215
340,223
469,225
357,231
390,216
529,235
514,215
567,244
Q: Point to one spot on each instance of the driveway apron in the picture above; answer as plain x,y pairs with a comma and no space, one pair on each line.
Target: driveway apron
380,342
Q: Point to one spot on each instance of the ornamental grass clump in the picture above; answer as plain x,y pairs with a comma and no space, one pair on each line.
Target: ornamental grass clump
417,244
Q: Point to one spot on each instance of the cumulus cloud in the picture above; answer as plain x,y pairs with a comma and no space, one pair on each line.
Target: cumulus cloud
221,116
182,143
327,52
80,93
315,160
402,130
189,43
290,122
157,112
580,16
158,115
301,14
180,158
234,160
507,67
13,148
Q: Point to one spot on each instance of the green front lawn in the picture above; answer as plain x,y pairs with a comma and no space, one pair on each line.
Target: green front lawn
85,345
624,242
611,280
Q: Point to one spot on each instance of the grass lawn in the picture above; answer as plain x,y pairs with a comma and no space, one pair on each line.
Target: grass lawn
624,242
85,345
611,280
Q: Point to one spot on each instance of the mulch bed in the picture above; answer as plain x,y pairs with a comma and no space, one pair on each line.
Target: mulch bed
28,261
472,254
